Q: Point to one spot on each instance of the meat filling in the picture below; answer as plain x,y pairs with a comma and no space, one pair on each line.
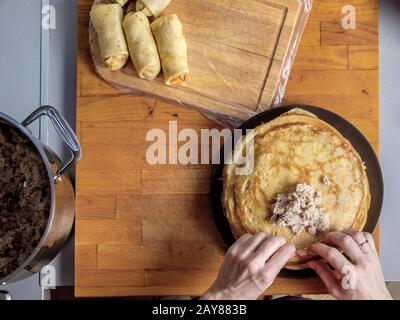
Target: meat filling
300,210
24,199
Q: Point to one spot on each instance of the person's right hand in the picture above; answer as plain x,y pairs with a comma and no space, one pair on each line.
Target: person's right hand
359,267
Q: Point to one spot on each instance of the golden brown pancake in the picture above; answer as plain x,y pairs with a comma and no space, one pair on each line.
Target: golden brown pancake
292,149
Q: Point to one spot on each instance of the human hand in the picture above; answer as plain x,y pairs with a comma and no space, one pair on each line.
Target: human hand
250,266
359,267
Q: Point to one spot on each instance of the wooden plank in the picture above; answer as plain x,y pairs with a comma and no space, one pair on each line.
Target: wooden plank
114,133
363,57
336,82
182,206
93,85
83,10
83,37
175,181
125,133
120,158
108,182
78,130
84,62
82,291
98,157
96,207
331,10
312,34
160,255
85,257
279,287
176,218
110,278
368,128
135,108
321,58
199,281
166,228
176,186
79,84
332,33
185,277
109,232
358,105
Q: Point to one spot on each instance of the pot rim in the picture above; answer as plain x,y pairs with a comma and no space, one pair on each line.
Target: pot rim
40,148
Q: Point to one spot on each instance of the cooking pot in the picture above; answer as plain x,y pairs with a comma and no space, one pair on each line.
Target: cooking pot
62,209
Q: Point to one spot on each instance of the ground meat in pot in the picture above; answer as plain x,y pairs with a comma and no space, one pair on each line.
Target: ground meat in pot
24,199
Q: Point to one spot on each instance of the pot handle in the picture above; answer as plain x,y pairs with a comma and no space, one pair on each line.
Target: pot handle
4,295
64,131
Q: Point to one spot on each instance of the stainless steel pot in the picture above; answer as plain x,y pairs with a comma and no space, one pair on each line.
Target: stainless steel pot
62,210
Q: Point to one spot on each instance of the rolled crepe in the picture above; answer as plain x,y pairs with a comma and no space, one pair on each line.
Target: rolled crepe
142,46
121,2
152,7
107,20
172,47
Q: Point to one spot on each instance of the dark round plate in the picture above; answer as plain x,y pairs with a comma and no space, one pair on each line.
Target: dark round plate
359,142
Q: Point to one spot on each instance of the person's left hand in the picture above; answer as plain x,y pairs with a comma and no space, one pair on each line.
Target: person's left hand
250,267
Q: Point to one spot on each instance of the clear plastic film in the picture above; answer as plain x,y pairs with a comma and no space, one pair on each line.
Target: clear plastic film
240,56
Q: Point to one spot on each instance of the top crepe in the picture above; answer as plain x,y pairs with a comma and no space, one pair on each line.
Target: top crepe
296,148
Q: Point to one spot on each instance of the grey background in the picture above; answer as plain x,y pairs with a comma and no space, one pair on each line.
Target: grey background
389,41
37,67
40,70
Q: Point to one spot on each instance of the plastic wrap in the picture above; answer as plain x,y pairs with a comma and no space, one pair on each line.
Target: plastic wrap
240,57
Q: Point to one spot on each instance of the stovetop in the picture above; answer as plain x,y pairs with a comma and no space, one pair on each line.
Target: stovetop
37,68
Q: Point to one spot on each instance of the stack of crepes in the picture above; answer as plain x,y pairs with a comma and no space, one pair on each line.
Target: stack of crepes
296,148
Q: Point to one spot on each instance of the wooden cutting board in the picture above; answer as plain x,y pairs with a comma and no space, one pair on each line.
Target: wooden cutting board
148,230
237,53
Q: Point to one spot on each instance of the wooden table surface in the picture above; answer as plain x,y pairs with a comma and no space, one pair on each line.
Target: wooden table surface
148,230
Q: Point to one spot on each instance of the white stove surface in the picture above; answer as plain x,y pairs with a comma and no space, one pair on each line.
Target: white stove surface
36,69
